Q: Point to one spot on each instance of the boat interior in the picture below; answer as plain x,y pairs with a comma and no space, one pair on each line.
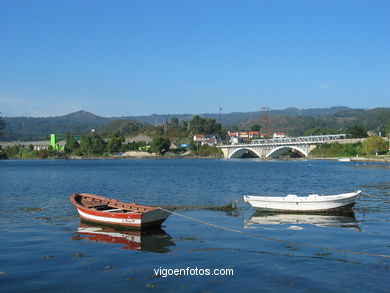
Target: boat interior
109,205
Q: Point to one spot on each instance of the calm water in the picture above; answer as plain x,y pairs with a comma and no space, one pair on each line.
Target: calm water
45,248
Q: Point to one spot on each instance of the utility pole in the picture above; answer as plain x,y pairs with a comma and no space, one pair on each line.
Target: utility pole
265,111
220,122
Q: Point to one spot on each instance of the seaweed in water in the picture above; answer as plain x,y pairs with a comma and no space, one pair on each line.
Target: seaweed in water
231,206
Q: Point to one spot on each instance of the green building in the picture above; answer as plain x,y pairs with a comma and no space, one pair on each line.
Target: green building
57,141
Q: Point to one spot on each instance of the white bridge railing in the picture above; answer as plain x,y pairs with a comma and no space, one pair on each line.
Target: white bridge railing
296,140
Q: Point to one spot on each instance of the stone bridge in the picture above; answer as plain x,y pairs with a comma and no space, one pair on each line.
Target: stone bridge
273,148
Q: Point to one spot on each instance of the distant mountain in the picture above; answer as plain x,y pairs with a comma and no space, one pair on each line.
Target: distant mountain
26,128
122,126
291,120
296,125
239,117
315,112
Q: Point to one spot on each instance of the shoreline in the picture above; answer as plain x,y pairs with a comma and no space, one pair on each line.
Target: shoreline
381,159
354,159
156,157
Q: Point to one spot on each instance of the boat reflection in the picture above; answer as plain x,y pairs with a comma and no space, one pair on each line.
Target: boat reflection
336,220
151,240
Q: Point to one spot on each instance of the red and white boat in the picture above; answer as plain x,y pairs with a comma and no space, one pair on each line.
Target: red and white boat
151,240
104,210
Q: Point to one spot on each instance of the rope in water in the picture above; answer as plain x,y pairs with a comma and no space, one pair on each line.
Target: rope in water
275,239
370,195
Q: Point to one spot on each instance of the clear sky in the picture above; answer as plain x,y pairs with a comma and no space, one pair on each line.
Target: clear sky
120,58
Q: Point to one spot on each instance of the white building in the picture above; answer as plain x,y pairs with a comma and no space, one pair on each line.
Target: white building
279,135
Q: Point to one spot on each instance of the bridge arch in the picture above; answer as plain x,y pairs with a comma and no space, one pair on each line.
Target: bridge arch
241,152
276,152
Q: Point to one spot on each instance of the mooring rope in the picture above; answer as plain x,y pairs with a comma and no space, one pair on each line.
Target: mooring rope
276,239
370,195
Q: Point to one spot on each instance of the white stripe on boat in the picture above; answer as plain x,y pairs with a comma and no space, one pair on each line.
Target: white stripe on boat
109,219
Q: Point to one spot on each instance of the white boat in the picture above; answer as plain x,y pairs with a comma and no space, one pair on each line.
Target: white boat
344,159
310,203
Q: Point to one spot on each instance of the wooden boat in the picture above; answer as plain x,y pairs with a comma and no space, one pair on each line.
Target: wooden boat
104,210
310,203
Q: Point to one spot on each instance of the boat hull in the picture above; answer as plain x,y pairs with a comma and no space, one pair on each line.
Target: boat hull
151,219
344,160
304,204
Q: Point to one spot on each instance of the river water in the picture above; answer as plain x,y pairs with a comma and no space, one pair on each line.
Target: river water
45,248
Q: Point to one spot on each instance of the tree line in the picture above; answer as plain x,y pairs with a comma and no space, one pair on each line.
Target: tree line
374,145
111,140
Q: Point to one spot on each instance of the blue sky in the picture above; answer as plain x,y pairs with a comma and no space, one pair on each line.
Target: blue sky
119,58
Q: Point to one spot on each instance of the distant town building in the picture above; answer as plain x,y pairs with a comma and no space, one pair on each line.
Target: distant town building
245,135
37,145
199,137
234,140
279,135
254,134
210,140
138,138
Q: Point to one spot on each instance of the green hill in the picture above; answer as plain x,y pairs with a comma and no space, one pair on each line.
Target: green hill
25,128
373,119
291,120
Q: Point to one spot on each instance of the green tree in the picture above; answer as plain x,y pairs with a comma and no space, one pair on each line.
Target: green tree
388,128
375,144
98,144
86,145
115,143
13,151
174,122
160,145
70,144
3,154
2,126
255,127
313,131
202,125
92,145
357,131
210,151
